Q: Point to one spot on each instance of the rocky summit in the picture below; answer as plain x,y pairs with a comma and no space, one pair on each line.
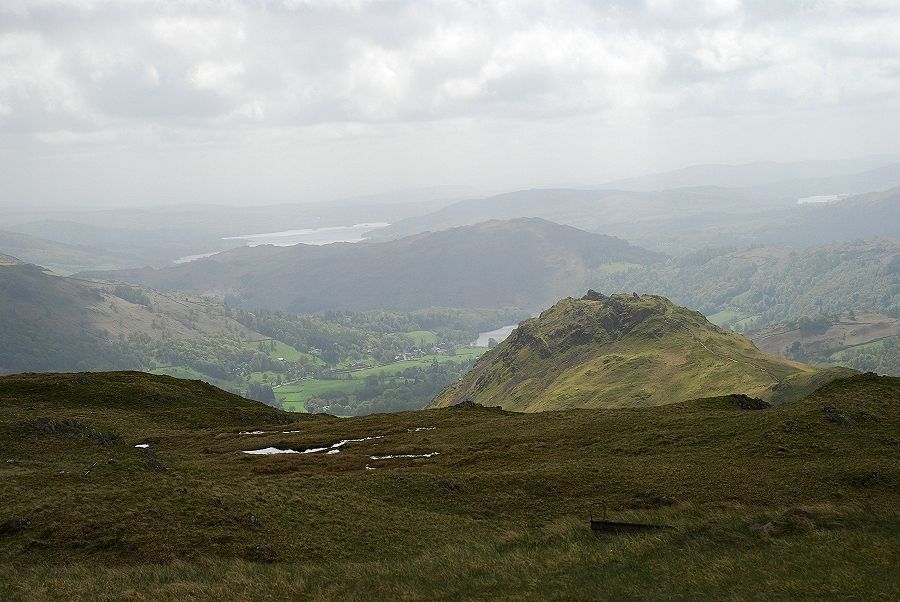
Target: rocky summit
626,350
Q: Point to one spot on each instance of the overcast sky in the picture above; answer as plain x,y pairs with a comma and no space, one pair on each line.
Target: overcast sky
125,102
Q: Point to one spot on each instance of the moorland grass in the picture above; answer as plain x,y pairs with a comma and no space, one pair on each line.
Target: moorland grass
795,501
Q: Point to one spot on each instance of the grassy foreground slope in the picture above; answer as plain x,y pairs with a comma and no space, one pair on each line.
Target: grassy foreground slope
626,351
796,501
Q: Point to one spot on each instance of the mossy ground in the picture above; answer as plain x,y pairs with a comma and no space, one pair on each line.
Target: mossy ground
500,513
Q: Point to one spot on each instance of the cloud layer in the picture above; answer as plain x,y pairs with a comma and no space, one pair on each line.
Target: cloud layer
239,87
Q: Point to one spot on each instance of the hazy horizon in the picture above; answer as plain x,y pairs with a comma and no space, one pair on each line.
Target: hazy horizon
112,104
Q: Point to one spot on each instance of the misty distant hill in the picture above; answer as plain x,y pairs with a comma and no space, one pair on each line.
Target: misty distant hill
592,210
859,175
685,220
73,240
869,215
60,257
527,263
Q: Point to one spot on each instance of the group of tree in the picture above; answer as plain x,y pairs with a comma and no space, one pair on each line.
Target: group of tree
411,389
774,285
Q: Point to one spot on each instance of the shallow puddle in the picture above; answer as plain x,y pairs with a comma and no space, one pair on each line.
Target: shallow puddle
428,455
330,450
268,451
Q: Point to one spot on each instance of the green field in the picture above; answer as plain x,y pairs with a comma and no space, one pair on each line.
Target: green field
422,338
721,317
260,377
747,322
283,350
870,346
294,395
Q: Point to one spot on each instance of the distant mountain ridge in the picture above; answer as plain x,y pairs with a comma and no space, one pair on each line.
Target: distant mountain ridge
688,218
626,351
866,172
526,263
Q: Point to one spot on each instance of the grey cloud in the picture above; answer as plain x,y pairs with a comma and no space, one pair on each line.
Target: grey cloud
144,74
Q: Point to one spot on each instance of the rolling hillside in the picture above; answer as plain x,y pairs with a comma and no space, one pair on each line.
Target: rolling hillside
593,210
458,503
526,263
626,351
60,257
767,285
51,323
682,220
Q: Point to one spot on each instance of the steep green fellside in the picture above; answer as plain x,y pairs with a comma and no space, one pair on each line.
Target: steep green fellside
798,500
626,351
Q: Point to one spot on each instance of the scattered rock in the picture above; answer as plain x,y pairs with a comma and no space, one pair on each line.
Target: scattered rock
50,427
11,461
745,402
466,404
13,526
152,462
252,520
834,415
793,519
593,295
264,553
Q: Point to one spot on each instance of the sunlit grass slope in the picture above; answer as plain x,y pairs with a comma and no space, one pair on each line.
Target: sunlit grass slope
626,351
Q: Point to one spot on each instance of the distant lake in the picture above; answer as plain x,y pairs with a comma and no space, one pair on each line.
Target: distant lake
498,335
820,199
190,258
309,236
305,236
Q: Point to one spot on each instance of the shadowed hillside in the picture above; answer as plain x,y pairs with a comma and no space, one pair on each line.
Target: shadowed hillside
51,323
526,263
